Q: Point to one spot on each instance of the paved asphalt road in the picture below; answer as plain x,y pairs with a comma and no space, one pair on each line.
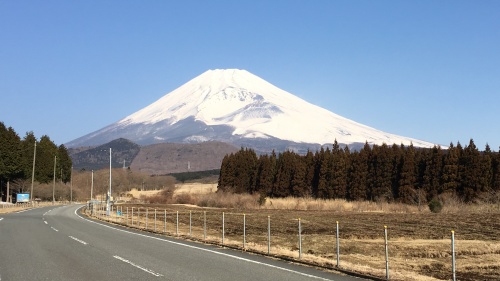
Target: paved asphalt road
57,243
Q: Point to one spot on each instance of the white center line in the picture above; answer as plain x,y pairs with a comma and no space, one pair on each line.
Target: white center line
54,229
78,240
45,222
138,266
0,220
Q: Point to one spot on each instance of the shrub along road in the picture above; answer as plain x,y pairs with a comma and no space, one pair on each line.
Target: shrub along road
56,243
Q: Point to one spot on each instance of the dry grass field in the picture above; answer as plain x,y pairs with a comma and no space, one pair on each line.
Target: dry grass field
419,241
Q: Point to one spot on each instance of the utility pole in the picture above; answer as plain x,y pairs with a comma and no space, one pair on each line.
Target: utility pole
71,187
92,186
33,175
54,185
108,205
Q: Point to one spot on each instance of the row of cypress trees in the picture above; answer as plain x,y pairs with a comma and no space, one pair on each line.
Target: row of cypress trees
394,173
16,158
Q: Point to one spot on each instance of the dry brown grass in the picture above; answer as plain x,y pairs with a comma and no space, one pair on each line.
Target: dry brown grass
419,241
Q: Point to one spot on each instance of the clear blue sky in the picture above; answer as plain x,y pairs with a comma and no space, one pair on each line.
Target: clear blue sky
423,69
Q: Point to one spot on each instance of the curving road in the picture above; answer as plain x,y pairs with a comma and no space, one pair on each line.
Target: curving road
56,243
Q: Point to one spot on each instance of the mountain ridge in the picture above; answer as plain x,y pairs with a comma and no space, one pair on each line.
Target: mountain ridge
237,107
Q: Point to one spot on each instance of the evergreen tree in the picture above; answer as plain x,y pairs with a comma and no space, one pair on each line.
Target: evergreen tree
496,173
44,166
310,170
65,164
487,170
450,176
265,176
407,192
358,173
226,176
27,150
381,170
338,172
433,172
470,172
10,154
284,166
299,187
324,190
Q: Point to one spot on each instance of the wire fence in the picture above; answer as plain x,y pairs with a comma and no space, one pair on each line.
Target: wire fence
288,238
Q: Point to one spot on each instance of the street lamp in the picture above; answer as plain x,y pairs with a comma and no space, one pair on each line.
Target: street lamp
54,186
108,203
33,175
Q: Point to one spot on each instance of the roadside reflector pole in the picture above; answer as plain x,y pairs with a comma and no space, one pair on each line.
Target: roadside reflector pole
386,254
268,235
222,228
177,225
204,225
300,240
338,245
453,269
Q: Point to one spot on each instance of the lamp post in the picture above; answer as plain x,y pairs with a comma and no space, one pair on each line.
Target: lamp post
54,185
92,186
33,175
71,187
108,203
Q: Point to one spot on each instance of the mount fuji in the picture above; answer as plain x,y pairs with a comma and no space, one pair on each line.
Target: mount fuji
237,107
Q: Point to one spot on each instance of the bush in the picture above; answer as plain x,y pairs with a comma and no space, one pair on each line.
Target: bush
435,206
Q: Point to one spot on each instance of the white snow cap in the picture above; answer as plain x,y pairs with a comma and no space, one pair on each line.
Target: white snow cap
257,109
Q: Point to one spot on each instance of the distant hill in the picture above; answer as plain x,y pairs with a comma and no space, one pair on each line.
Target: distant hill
96,158
166,158
157,159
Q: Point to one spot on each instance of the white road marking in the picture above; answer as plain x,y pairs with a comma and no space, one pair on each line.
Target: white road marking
54,229
206,250
45,222
78,240
137,266
0,220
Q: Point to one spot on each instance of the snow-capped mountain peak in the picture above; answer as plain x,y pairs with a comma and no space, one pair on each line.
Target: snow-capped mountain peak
236,106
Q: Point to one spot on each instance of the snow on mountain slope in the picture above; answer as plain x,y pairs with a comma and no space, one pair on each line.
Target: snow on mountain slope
256,108
236,106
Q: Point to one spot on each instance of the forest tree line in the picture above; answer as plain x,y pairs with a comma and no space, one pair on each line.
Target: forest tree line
394,173
16,159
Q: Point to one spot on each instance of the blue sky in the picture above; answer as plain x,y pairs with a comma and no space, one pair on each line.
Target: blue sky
423,69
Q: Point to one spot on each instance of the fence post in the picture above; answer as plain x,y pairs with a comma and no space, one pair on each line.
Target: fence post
244,232
138,217
155,219
268,235
126,218
147,219
177,225
222,228
132,217
338,245
190,223
300,240
165,221
204,225
453,256
386,254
